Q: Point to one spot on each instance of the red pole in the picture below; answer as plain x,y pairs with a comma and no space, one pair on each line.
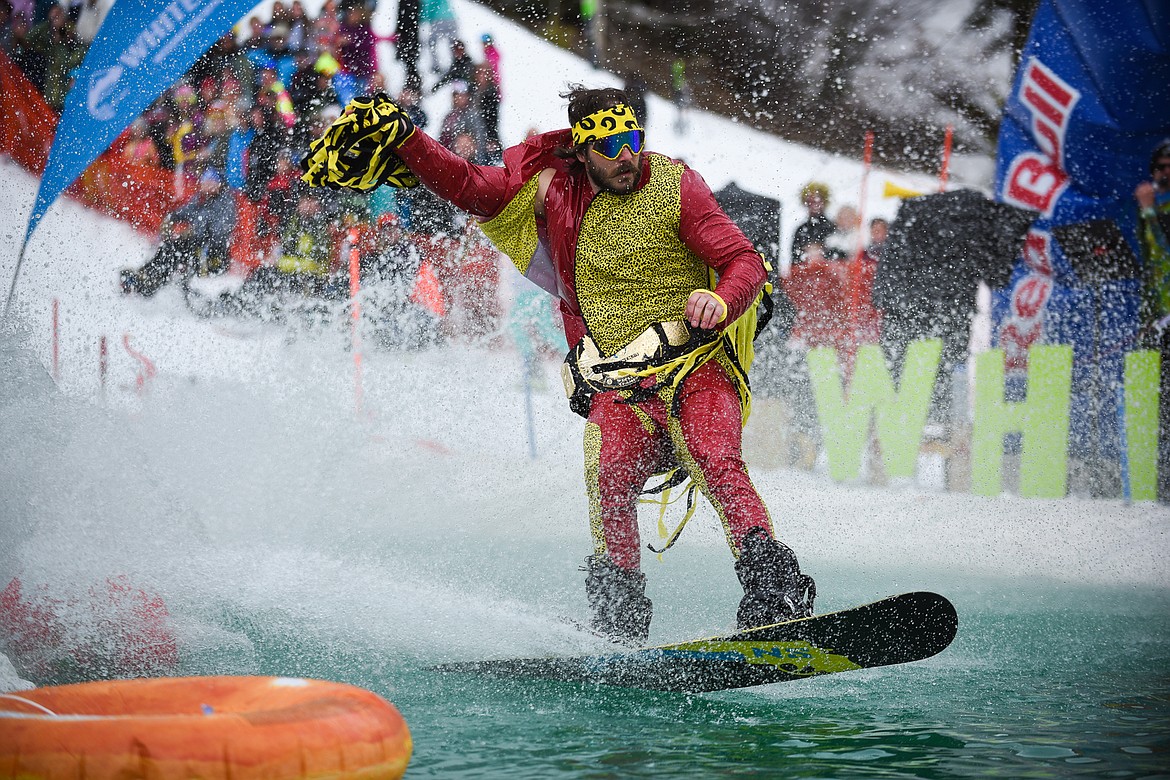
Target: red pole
56,341
855,267
147,371
355,287
946,160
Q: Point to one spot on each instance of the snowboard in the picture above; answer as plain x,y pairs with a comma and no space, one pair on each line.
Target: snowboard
896,630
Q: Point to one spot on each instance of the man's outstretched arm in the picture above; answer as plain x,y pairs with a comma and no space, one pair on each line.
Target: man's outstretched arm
480,190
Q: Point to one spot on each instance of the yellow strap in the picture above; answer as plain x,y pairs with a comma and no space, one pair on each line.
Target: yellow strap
692,504
664,500
683,363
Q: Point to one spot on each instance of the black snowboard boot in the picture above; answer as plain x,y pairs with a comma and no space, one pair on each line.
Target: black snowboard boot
774,590
618,605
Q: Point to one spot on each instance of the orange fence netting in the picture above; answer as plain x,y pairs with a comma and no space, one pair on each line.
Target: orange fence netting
26,121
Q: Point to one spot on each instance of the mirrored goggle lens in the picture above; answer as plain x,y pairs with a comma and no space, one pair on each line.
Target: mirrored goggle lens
610,147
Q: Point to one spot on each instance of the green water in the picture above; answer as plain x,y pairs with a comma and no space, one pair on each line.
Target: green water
1043,680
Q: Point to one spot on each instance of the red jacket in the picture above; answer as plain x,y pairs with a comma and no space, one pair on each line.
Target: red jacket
483,191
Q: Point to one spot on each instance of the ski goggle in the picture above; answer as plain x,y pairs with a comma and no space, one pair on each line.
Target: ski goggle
610,147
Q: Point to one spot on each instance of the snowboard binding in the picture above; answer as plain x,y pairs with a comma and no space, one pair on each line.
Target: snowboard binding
619,609
774,588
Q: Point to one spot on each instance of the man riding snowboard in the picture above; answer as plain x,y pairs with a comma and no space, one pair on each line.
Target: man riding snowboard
653,279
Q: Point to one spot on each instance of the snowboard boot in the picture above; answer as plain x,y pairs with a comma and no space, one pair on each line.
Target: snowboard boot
774,590
618,605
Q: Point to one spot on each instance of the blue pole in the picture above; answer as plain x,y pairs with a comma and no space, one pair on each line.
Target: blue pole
528,364
15,277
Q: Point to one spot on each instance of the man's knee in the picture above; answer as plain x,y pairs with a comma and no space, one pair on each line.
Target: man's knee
719,466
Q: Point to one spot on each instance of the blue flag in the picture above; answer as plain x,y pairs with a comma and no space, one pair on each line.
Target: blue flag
142,48
1090,100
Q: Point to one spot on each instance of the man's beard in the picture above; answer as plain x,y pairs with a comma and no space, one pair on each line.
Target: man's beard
608,183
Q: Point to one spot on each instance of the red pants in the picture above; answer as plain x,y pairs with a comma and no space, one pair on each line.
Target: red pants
625,444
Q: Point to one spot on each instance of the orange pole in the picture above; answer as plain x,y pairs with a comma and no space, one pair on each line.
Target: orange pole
355,287
946,160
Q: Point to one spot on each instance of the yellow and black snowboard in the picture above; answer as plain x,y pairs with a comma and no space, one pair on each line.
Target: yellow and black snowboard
896,630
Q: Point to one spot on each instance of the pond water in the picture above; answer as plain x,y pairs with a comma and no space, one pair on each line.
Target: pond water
288,536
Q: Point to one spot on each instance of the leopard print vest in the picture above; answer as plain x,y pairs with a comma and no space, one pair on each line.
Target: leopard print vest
632,268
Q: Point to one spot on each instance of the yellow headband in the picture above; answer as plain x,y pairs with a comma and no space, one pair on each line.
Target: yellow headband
604,123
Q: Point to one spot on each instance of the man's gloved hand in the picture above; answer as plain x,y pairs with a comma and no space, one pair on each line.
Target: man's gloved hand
394,124
357,151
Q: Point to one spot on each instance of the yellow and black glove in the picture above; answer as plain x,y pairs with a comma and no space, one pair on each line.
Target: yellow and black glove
357,151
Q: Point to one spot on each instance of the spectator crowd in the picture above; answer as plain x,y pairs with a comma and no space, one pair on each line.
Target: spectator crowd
234,128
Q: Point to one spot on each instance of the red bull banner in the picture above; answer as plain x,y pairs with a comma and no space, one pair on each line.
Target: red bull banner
1090,100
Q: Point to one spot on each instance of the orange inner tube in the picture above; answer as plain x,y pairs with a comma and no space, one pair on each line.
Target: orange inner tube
206,727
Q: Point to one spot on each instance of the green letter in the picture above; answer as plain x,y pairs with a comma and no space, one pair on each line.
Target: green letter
1142,377
1042,419
901,415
